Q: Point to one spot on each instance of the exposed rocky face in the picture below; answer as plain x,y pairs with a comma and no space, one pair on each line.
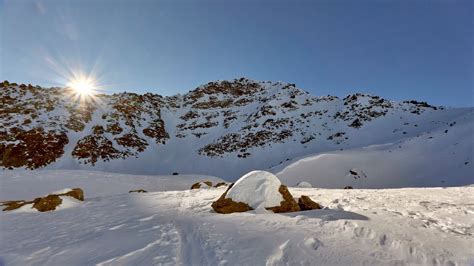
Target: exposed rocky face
222,119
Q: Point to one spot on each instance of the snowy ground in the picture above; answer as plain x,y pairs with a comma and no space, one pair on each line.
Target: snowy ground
113,227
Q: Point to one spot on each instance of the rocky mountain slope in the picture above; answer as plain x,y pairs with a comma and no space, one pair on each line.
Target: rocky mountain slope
223,128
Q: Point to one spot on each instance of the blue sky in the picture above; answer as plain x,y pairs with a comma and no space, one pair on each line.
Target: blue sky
396,49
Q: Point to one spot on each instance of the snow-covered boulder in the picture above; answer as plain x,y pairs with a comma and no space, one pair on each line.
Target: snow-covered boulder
304,184
256,190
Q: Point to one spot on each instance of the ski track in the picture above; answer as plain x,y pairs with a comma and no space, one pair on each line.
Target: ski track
393,227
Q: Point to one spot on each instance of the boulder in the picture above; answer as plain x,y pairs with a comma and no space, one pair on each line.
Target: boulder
225,205
76,193
48,203
305,203
348,187
288,204
255,190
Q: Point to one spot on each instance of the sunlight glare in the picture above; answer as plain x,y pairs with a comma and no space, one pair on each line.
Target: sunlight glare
83,86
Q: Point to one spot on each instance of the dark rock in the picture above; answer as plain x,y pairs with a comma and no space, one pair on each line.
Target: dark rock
48,203
76,193
288,204
348,187
196,185
306,204
199,184
223,205
356,123
13,205
220,184
138,191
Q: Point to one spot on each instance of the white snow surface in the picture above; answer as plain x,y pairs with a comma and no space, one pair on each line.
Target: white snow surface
26,185
259,189
304,184
415,226
437,158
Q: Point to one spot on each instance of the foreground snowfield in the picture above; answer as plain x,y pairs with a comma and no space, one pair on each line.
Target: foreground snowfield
112,227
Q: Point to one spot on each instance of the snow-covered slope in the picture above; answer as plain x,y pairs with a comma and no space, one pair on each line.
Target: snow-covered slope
441,157
228,128
22,184
416,226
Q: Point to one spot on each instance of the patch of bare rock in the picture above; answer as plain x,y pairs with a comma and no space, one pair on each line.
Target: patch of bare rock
138,191
260,190
46,203
207,184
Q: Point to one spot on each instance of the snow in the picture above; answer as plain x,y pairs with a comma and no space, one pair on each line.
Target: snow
25,184
26,208
259,189
304,184
428,160
68,202
61,191
420,226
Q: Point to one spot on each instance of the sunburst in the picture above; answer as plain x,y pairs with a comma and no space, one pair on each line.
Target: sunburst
83,86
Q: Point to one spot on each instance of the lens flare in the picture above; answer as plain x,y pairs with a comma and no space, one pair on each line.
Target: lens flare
83,86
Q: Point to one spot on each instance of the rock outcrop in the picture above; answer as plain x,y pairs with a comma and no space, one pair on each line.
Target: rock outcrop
225,205
200,184
138,191
220,184
46,203
305,203
288,204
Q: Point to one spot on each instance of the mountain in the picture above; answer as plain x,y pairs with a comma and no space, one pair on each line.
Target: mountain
227,128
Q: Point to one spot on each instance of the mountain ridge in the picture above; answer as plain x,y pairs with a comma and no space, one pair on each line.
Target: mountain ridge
222,127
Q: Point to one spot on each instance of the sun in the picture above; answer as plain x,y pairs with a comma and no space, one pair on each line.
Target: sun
83,86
